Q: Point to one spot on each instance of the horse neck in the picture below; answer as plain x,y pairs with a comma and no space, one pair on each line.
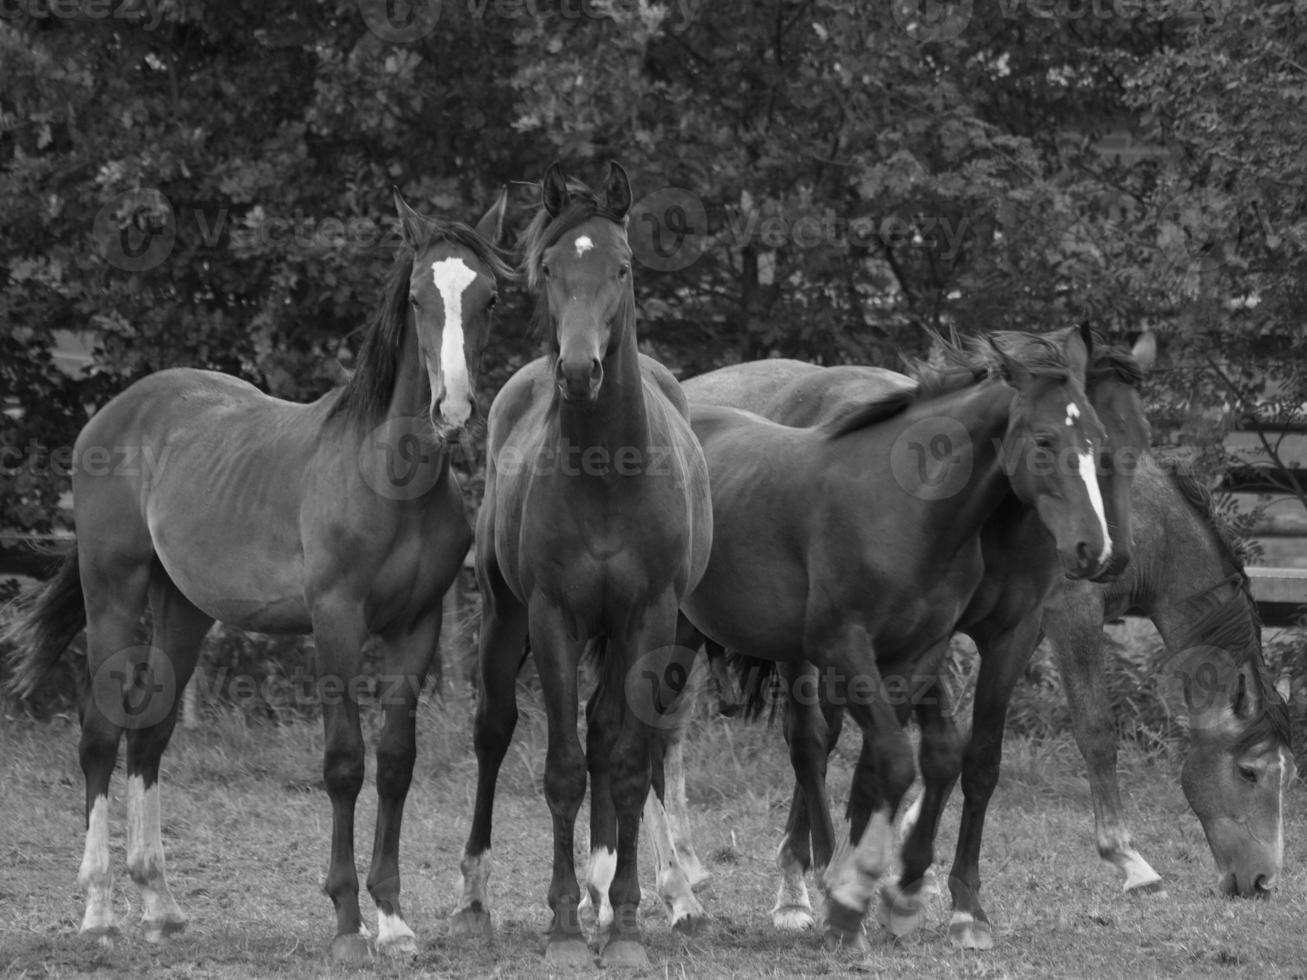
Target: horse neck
411,396
1178,568
984,409
618,416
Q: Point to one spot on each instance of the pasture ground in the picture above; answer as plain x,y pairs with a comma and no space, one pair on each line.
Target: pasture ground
246,825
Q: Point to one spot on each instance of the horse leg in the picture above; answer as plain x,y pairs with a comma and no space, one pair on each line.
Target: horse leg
809,826
556,654
338,634
406,657
503,638
629,760
940,759
603,815
667,770
884,772
1003,656
179,629
115,592
1077,640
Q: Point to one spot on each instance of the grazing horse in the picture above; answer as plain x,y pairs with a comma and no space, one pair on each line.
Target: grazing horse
596,522
340,517
1021,566
827,559
1188,579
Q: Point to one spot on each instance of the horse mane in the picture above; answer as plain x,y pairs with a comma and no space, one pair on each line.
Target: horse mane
1115,362
366,396
955,363
545,230
1233,632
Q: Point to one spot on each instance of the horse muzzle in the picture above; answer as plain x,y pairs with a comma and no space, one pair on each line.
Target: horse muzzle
579,379
1256,886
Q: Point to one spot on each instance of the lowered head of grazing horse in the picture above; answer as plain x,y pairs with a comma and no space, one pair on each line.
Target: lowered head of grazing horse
1240,760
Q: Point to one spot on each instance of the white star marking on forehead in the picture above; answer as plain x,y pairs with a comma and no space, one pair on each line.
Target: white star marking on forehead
583,245
1072,413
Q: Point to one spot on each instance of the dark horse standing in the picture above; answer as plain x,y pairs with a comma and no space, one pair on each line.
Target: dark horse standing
596,521
827,558
339,517
1021,566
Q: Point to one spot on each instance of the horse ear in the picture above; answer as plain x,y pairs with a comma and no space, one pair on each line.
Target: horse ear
553,190
1009,369
1247,701
491,225
411,224
1284,684
1087,337
617,190
1145,350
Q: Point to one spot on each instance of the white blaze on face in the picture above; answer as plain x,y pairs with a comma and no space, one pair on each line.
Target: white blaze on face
1072,413
452,277
583,245
1085,464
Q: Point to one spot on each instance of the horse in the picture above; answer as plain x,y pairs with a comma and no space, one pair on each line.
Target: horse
1189,579
825,558
596,522
1020,569
340,517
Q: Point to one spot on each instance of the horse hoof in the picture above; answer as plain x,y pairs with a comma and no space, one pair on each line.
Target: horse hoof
105,934
697,876
900,912
1152,888
840,940
351,949
792,918
157,930
471,923
841,920
625,953
689,923
399,948
570,952
968,932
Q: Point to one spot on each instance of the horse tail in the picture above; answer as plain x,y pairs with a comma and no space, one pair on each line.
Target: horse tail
40,623
760,685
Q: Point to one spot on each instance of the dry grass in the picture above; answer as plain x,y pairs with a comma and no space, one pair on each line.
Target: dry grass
246,823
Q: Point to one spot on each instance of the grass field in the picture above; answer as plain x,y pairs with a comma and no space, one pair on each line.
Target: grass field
246,825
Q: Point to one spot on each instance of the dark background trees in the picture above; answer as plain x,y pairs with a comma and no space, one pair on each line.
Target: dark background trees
209,184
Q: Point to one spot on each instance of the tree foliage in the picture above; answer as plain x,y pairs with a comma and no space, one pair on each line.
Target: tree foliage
209,184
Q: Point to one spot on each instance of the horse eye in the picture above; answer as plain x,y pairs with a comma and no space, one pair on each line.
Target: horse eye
494,298
413,302
1044,441
544,270
1248,774
624,271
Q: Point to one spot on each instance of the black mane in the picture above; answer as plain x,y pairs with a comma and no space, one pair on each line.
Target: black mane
1236,626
